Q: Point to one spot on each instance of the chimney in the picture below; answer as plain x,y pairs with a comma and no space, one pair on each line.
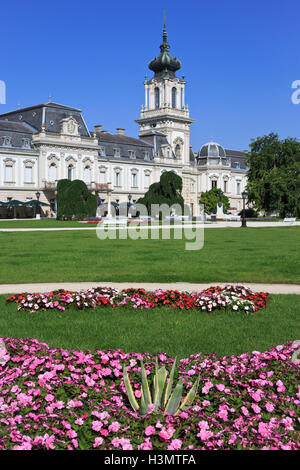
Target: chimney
98,128
120,131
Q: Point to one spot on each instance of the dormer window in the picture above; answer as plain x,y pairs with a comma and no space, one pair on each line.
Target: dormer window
116,152
102,151
6,141
146,155
26,143
131,153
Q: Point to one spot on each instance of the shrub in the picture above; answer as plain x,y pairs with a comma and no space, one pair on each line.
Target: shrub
74,200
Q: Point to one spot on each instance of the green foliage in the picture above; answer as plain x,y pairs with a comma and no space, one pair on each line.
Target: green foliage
166,191
74,201
210,200
249,212
274,175
162,396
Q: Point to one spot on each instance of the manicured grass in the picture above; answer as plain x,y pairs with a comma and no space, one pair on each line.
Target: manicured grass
229,255
42,223
159,330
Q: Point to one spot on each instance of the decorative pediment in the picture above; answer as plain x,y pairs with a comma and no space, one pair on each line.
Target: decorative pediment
69,126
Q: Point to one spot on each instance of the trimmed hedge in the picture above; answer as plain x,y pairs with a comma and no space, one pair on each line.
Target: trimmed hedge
74,201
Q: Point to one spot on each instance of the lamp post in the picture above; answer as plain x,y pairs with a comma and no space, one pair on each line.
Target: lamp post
129,203
37,194
244,196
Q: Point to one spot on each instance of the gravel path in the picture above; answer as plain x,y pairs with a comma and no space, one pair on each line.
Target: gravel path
181,286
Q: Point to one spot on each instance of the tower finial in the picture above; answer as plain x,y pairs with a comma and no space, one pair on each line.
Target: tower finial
165,29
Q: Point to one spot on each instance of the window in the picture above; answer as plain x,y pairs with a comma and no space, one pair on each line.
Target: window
147,180
192,187
174,97
134,180
9,173
131,153
225,186
214,183
116,152
28,174
238,187
157,101
102,151
26,143
70,172
102,177
117,178
146,155
6,141
52,173
87,175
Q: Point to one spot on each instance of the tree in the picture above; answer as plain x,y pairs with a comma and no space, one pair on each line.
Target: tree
166,191
274,175
210,200
74,200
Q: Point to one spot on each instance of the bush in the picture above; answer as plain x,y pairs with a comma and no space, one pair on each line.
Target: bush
74,201
249,212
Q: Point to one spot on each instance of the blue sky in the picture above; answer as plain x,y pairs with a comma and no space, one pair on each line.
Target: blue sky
239,59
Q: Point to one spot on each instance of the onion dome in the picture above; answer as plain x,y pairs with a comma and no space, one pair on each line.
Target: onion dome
164,64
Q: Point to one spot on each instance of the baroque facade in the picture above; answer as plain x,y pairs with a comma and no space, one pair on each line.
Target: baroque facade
42,144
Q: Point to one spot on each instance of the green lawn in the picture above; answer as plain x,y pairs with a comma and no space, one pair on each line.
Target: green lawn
229,255
42,223
159,330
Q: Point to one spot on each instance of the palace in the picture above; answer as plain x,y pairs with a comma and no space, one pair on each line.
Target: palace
42,144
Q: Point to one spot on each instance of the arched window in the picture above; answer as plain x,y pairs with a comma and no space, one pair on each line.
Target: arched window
87,174
70,172
157,103
52,173
178,151
174,97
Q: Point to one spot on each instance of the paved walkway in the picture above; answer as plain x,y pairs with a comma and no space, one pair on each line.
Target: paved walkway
181,286
134,227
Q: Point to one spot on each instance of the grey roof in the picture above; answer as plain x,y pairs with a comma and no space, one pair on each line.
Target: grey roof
49,113
125,144
17,134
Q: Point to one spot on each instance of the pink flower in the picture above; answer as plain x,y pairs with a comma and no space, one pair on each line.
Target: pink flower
175,444
97,425
98,442
150,430
114,427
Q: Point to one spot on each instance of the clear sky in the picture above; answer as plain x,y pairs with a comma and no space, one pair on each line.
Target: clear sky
239,58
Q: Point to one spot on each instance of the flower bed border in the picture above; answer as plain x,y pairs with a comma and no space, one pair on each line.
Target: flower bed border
232,297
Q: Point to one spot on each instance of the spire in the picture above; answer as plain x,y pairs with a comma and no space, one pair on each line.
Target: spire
165,64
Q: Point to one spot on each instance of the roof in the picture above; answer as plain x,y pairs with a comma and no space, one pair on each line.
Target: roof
120,139
13,126
50,114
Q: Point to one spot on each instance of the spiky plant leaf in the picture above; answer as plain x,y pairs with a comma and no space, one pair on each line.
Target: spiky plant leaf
160,380
129,390
170,383
145,387
190,396
144,408
175,398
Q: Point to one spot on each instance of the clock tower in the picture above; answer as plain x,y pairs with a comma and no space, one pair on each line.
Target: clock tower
165,110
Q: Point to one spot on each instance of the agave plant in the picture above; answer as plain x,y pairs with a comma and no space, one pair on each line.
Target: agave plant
162,395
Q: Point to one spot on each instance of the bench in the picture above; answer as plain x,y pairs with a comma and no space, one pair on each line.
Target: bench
290,220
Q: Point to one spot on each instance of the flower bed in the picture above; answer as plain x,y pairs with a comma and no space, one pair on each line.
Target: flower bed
237,298
59,399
